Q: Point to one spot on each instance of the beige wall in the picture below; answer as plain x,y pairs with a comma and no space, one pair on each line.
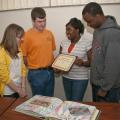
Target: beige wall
56,20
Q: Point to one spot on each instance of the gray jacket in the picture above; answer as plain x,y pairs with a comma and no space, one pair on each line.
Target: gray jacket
105,67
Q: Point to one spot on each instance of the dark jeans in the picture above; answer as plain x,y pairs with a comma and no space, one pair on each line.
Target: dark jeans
14,95
74,89
42,82
113,95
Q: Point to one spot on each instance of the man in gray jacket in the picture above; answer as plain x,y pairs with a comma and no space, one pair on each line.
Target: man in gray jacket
105,66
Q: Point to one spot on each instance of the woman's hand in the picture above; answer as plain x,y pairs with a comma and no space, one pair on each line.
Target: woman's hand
78,61
57,71
22,92
101,93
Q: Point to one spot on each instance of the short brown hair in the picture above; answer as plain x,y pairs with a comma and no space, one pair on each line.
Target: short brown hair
38,12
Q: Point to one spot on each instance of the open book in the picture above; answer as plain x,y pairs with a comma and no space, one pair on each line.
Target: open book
52,108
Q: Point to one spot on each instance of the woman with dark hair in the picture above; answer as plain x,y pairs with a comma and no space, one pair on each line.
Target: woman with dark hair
12,69
76,80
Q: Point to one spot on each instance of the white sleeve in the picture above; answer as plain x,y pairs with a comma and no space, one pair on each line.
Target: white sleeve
88,37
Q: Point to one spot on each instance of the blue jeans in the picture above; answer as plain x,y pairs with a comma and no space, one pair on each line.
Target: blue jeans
41,82
113,95
74,89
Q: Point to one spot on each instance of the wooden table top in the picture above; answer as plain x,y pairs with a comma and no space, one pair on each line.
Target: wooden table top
109,111
10,114
5,103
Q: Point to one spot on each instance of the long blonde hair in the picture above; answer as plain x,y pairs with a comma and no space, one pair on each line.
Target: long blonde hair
9,41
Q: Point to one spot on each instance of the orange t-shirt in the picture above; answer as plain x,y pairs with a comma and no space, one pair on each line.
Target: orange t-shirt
38,48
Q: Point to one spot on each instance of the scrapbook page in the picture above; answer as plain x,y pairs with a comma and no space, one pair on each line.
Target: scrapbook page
52,108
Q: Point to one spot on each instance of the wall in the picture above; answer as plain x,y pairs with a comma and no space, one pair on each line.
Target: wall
56,20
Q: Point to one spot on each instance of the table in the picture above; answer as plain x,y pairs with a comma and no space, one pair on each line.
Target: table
5,103
109,111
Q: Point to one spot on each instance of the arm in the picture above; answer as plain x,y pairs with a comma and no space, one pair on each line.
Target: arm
89,55
4,72
16,88
80,62
53,42
23,78
25,61
23,86
24,47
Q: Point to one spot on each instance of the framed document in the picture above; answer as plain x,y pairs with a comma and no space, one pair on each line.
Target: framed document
64,62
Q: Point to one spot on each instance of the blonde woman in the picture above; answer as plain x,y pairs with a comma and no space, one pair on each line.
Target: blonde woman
12,69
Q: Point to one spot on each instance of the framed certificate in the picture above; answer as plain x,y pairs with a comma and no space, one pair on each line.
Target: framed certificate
64,62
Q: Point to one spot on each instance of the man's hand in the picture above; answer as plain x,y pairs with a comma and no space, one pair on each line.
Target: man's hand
101,93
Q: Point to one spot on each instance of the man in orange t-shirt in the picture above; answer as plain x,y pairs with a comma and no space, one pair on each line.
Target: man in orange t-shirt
38,46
